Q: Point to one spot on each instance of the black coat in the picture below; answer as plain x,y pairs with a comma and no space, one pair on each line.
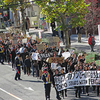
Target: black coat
27,63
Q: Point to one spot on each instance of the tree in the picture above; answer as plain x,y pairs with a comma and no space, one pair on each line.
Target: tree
60,9
15,5
92,18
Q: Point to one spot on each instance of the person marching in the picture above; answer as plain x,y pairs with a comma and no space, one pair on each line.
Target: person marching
27,64
56,73
17,66
77,88
47,83
1,53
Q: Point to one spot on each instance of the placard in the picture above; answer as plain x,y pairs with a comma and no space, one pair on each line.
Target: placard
14,41
53,41
45,55
56,60
38,40
24,40
53,65
34,37
35,56
66,55
40,46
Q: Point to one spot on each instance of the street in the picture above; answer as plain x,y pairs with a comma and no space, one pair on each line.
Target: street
30,88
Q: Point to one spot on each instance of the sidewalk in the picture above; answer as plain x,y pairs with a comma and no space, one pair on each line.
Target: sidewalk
83,46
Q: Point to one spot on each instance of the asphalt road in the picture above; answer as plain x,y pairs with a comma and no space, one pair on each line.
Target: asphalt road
30,88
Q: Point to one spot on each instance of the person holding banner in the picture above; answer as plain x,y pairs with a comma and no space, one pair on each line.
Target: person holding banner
47,79
94,69
98,86
87,87
56,72
62,73
77,88
17,66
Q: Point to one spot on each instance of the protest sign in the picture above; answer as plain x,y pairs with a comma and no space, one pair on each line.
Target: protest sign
14,41
34,37
35,56
8,34
80,78
56,60
40,46
38,40
53,65
45,55
90,58
53,41
97,62
24,40
66,55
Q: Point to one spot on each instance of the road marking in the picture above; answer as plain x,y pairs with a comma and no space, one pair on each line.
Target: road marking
28,88
10,94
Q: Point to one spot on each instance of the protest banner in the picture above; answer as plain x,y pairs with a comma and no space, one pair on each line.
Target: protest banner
97,62
24,40
40,46
66,55
35,56
80,78
45,55
53,41
56,60
90,58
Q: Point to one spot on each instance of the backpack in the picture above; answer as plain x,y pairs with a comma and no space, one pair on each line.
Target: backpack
93,41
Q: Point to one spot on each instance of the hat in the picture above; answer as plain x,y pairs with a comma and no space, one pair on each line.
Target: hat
17,53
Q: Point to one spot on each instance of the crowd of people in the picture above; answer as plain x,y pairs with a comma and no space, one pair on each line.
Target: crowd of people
20,55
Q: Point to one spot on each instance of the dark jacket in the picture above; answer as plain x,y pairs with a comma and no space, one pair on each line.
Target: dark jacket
27,63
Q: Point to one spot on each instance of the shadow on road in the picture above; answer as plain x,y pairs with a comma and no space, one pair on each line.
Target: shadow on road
33,81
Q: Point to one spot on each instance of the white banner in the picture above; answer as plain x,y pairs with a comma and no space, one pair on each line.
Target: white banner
80,78
45,55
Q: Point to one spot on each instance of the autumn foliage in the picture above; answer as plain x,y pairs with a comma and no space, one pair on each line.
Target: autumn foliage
93,17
